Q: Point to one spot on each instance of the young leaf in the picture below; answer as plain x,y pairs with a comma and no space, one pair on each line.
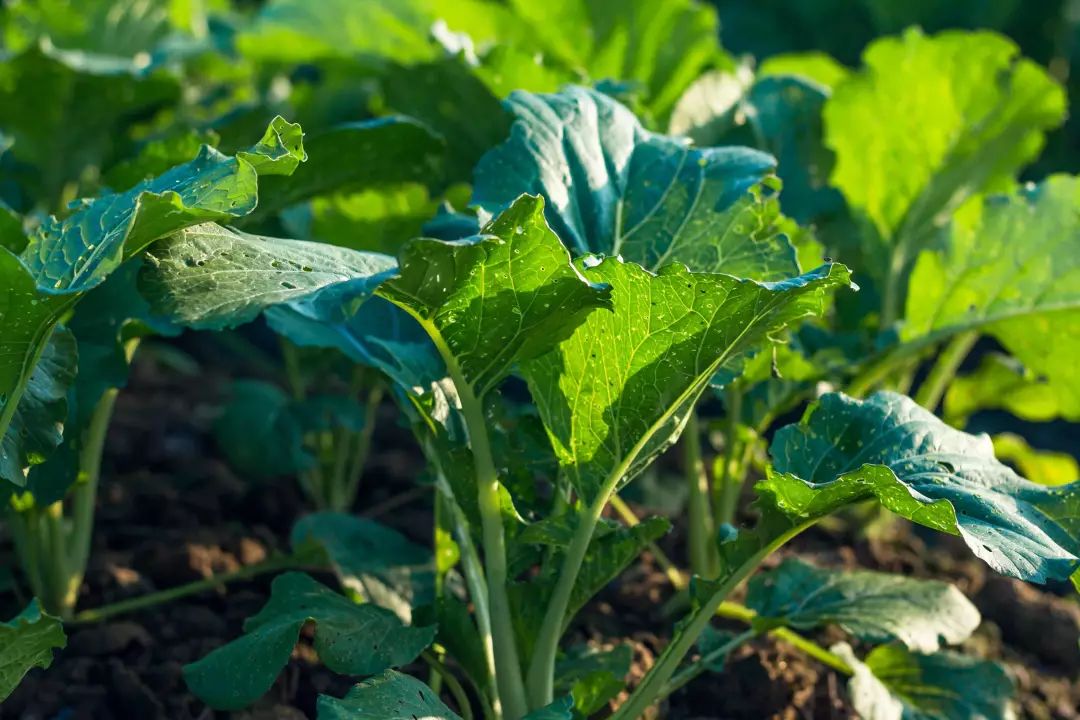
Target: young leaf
593,677
1045,467
887,446
1000,382
395,696
1012,272
26,642
372,560
780,115
354,156
895,684
350,639
38,422
975,117
503,297
615,394
872,606
614,188
259,432
390,696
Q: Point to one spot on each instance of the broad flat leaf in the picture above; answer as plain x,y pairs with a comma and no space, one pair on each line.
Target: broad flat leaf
37,425
561,709
26,642
499,298
354,156
372,560
618,390
66,258
297,31
156,156
1012,271
390,696
470,126
656,47
12,237
614,188
778,114
1000,382
350,639
210,277
819,67
908,153
872,606
59,136
593,677
373,220
918,466
259,432
1045,467
895,684
717,643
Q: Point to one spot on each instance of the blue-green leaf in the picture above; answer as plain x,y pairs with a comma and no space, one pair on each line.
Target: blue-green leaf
614,188
390,696
888,446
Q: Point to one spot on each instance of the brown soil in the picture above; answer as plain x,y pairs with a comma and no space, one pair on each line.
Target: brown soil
171,511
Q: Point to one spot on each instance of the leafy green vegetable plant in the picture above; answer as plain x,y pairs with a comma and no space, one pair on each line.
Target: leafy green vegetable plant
599,292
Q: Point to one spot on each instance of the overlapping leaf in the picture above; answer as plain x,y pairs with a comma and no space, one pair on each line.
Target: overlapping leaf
895,684
67,257
1012,271
908,153
616,393
614,188
887,446
872,606
351,639
27,642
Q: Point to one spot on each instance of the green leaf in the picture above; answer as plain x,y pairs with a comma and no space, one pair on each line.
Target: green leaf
1000,382
874,607
593,677
26,642
59,135
819,67
470,126
615,394
259,432
356,156
845,450
1011,269
778,114
66,258
1045,467
614,188
561,709
350,639
374,561
390,696
37,424
895,684
12,237
157,156
499,298
210,277
908,153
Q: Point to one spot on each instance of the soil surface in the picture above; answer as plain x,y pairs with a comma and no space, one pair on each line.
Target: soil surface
171,511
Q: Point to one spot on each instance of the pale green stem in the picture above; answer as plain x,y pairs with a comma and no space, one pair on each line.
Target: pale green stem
363,444
701,531
512,698
732,470
648,692
699,666
452,684
944,370
142,602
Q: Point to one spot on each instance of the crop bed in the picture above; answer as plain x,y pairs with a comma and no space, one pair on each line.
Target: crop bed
469,360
